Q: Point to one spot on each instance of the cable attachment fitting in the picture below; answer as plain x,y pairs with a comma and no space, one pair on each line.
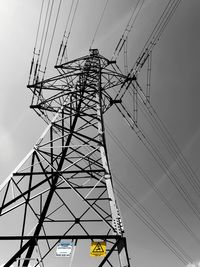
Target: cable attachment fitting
115,101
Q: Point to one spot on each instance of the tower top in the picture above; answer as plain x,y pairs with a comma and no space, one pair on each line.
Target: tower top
94,52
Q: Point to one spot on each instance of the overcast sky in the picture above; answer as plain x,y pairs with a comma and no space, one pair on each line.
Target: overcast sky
174,95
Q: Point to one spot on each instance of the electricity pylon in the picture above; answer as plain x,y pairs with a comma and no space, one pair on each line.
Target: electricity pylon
63,188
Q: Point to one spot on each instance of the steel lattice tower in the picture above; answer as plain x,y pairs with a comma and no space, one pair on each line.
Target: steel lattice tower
63,188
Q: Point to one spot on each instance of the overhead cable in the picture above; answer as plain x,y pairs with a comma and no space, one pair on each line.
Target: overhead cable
154,221
149,45
100,20
128,29
155,35
45,35
151,184
171,146
62,53
65,32
161,130
52,37
164,135
173,247
160,160
36,40
39,22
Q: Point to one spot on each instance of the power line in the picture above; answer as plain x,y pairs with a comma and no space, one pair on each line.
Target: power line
163,133
149,45
46,34
36,40
52,37
151,184
62,53
39,22
98,26
171,146
183,257
159,159
65,31
43,39
165,137
155,35
153,221
128,29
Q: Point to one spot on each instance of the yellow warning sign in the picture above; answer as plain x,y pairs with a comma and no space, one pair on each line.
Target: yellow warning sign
98,249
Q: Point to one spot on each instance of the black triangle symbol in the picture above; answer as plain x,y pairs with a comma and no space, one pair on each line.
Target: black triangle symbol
98,248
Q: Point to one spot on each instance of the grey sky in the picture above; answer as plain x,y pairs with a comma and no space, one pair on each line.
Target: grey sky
174,95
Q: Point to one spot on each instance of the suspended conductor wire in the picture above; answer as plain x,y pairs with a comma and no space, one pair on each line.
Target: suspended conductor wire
39,56
38,28
151,184
171,146
72,3
72,21
155,35
151,42
160,21
175,146
161,162
127,30
166,18
172,176
36,40
65,31
45,34
167,140
152,228
44,26
98,26
63,46
142,213
153,220
52,37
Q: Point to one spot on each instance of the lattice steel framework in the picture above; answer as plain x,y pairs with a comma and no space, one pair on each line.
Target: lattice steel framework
63,188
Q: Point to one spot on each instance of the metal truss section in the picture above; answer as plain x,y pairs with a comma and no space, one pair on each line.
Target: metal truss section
63,188
50,94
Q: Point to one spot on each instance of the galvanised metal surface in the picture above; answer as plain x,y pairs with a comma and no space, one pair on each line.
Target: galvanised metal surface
63,188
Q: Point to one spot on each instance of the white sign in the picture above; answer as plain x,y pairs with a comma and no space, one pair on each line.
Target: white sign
64,249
